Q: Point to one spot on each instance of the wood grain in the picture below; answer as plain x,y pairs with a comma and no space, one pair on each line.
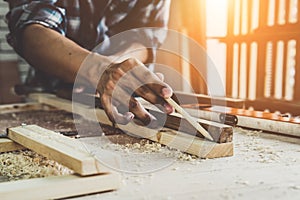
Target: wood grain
64,150
7,145
196,146
220,132
58,187
164,136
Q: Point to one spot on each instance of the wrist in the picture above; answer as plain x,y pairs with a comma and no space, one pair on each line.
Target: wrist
93,67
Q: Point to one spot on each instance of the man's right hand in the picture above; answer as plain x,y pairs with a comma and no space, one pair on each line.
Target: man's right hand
120,81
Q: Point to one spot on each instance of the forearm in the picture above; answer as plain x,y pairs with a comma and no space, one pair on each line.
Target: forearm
55,54
51,52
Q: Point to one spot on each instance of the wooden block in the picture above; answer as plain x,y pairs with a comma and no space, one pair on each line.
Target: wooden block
194,145
216,150
66,151
7,145
221,133
56,187
190,119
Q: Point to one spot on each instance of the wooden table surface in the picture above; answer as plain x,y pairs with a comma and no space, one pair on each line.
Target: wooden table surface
262,168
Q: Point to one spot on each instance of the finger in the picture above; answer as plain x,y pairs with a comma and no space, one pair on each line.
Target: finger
140,71
130,84
117,74
151,97
133,106
142,114
112,112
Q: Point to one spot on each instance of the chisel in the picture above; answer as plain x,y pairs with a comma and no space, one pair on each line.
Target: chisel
190,119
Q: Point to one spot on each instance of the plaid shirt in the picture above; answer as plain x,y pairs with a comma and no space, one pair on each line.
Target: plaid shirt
90,22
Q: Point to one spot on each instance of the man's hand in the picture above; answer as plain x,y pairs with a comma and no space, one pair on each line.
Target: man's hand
121,81
55,54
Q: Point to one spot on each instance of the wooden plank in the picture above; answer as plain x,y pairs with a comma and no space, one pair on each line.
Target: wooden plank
280,127
56,187
254,120
188,98
67,151
140,131
7,145
220,132
296,89
18,107
261,69
194,145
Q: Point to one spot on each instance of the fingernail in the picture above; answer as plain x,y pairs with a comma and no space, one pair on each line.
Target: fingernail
129,116
166,92
168,108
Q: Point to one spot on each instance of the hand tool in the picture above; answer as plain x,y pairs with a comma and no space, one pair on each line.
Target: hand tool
190,119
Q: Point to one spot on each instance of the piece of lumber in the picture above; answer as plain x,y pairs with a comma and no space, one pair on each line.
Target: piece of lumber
268,122
195,146
7,145
273,126
57,187
220,132
190,119
19,107
144,132
189,98
66,151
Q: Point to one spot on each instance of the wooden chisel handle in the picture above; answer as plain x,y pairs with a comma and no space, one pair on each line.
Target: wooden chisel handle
190,119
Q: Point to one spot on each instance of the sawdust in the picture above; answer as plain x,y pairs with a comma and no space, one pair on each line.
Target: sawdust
27,164
248,132
149,147
261,153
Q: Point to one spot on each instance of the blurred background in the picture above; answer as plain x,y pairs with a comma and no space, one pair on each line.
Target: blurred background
252,43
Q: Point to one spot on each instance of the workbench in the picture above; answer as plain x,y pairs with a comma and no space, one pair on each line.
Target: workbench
263,166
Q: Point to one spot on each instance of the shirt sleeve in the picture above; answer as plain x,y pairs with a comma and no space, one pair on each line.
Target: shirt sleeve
146,24
25,12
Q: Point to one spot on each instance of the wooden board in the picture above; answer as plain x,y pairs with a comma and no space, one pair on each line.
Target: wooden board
58,187
254,120
7,145
220,132
19,107
188,98
64,150
152,134
195,145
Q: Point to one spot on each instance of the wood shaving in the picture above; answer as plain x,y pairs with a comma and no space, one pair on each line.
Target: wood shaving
247,131
148,147
295,187
27,164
